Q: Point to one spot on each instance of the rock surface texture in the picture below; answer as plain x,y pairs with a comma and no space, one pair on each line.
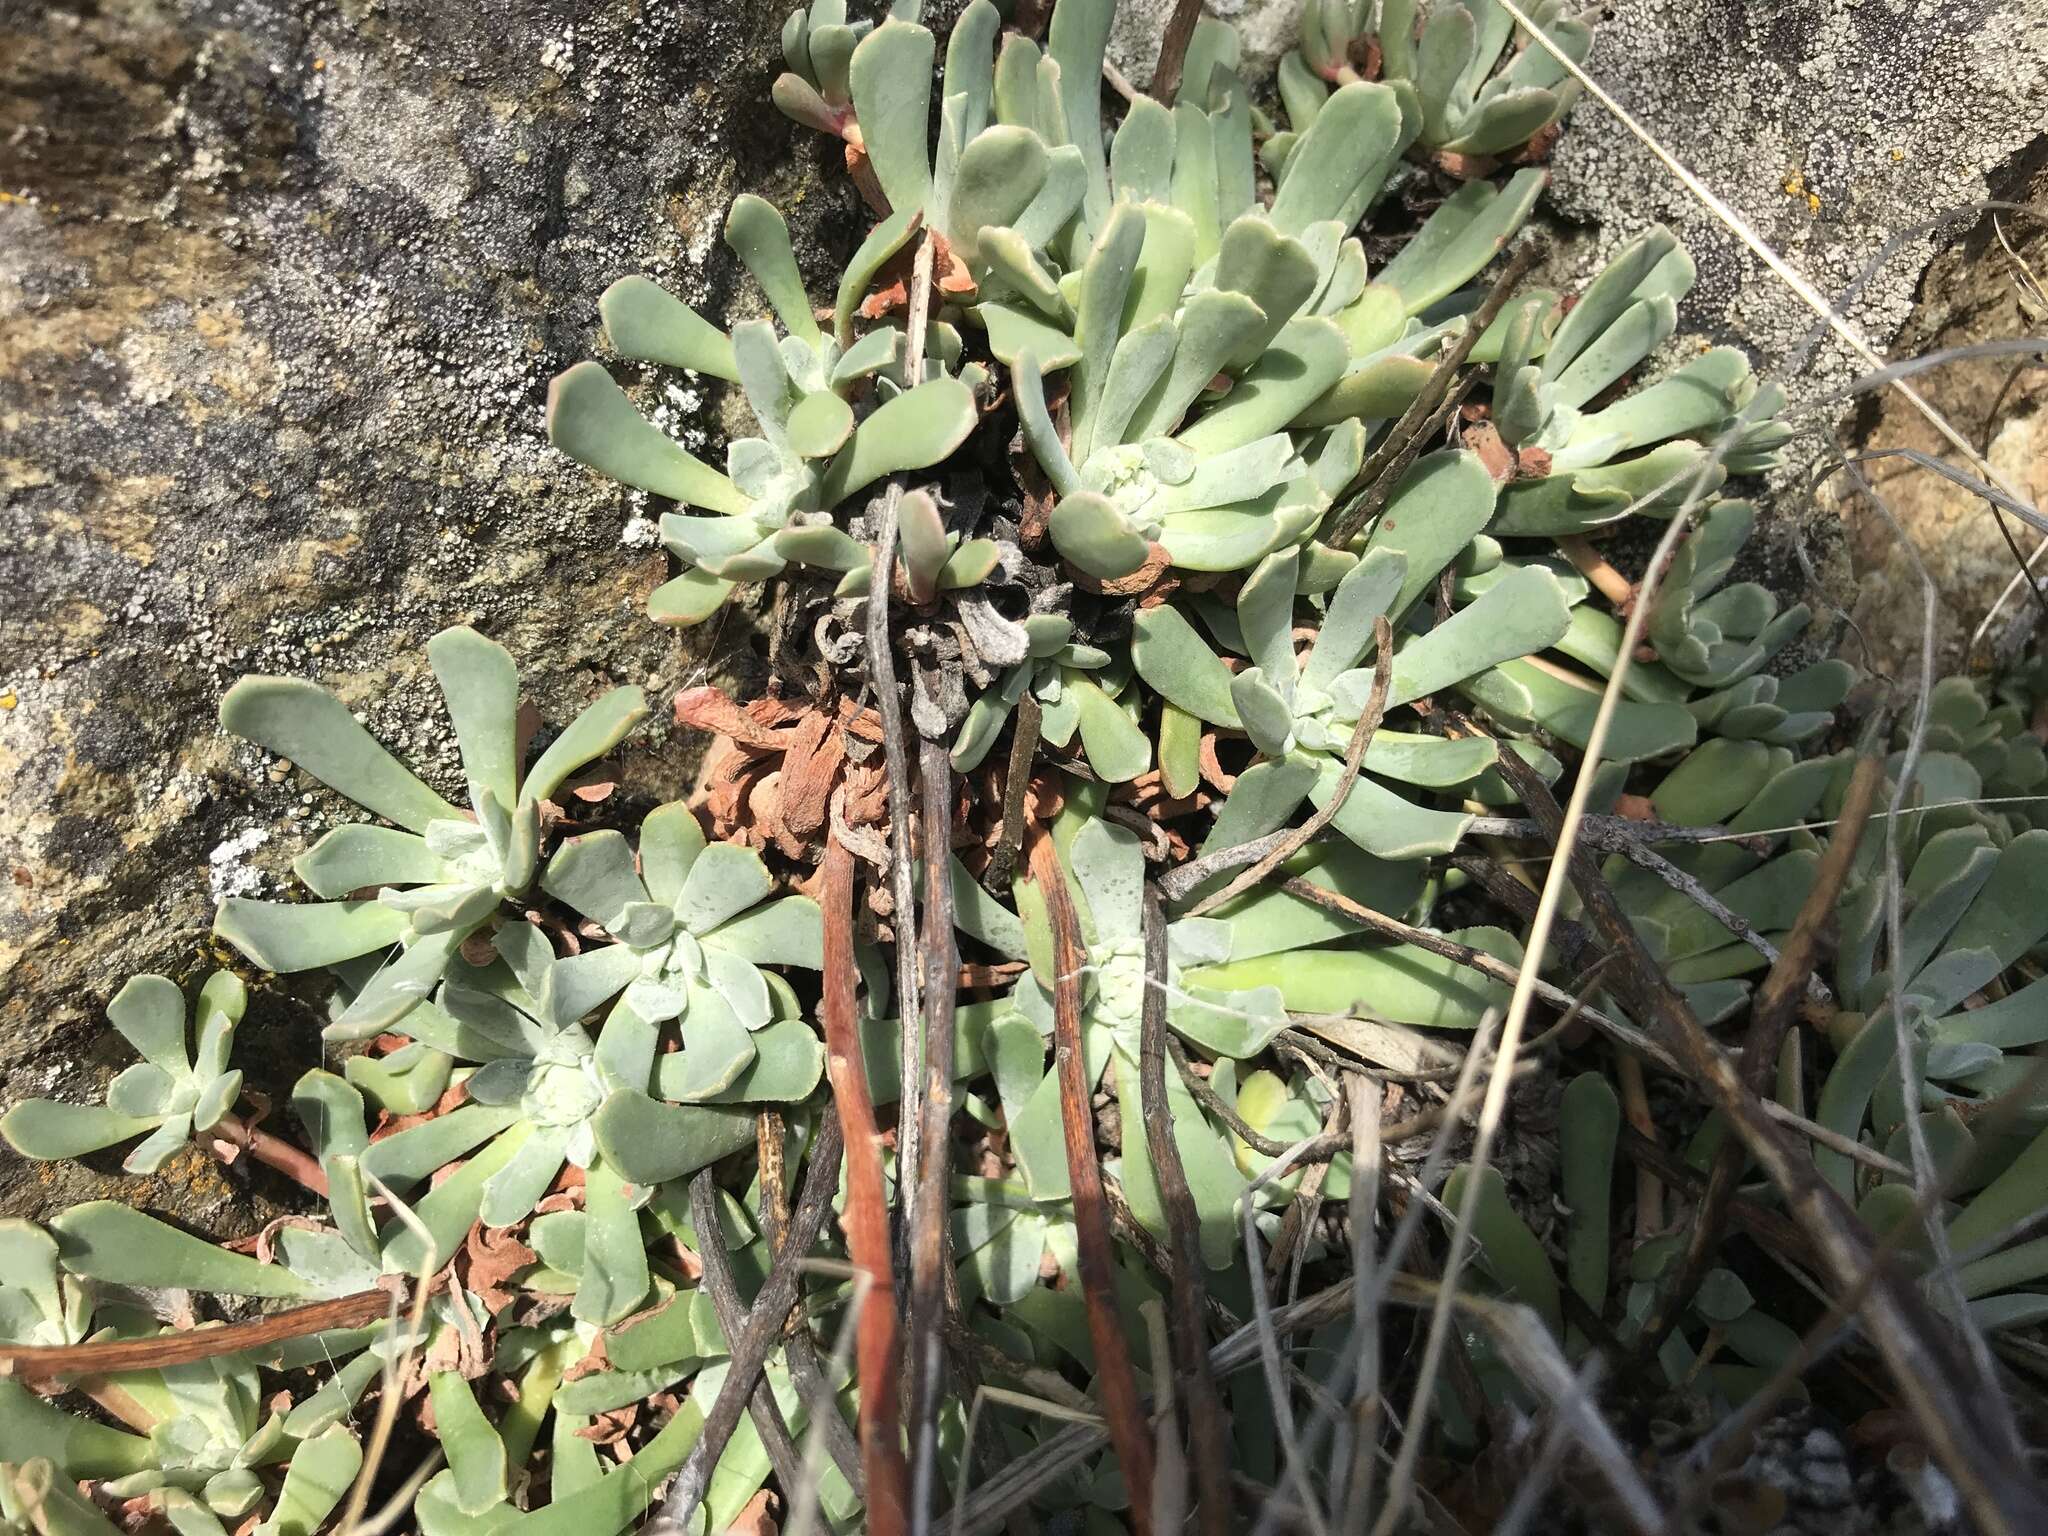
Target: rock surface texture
281,286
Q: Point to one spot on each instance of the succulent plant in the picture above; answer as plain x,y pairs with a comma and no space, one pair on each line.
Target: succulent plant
1071,684
570,1043
446,873
775,502
1300,712
1970,915
175,1090
693,927
1996,738
1753,789
1445,69
1549,370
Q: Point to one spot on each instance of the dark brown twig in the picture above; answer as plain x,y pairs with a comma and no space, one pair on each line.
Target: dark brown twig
1128,1431
866,1218
1354,756
1002,862
1208,1427
1173,53
726,1301
1385,465
182,1348
753,1343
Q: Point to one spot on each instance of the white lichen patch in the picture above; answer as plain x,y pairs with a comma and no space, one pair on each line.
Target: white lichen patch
227,870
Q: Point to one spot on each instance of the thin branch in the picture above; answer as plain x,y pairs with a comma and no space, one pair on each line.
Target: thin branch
1114,1379
1644,857
1361,738
806,1370
1024,727
881,662
753,1343
113,1355
1173,53
1352,1459
1208,1427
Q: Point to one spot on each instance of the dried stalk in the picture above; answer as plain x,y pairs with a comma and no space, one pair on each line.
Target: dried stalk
798,1347
1208,1426
1002,862
929,1269
881,660
762,1408
114,1355
1173,53
1128,1431
866,1218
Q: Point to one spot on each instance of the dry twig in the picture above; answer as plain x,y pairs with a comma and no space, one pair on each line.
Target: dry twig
1114,1379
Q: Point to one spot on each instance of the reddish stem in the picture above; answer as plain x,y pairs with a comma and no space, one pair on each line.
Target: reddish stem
272,1151
877,1356
1128,1431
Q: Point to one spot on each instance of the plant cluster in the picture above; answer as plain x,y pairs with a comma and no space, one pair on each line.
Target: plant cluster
1193,529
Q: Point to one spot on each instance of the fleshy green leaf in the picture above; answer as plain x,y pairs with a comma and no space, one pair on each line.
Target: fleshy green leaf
591,420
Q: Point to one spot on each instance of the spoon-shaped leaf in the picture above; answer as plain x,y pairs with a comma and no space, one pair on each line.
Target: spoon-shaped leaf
650,1142
591,420
109,1241
645,321
1338,166
1306,358
304,722
481,687
757,233
1521,614
890,77
819,425
999,173
915,430
1179,666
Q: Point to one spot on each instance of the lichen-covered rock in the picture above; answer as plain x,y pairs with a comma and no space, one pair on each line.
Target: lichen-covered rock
280,292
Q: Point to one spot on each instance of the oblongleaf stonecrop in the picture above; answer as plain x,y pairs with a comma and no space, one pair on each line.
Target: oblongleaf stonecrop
1137,448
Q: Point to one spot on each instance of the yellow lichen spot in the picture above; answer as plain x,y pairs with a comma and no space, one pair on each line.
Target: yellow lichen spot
1813,202
318,65
1898,154
8,699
